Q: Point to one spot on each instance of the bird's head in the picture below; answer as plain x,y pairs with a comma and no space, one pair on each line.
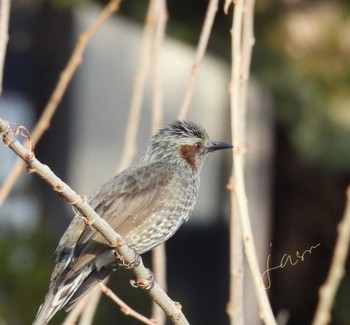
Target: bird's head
184,142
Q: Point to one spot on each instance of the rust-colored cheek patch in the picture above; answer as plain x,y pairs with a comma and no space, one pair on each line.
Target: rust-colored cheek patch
188,153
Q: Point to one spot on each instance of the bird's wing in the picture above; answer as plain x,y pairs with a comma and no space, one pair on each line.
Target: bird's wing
132,194
124,202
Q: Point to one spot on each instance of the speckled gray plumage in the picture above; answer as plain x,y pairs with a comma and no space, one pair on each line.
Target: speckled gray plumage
145,204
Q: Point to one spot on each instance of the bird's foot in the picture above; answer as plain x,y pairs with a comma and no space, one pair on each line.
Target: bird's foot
145,284
135,261
88,223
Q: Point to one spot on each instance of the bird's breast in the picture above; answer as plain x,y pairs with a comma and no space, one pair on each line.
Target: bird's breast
177,203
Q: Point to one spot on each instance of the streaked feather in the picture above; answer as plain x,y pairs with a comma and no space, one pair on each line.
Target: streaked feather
146,204
127,196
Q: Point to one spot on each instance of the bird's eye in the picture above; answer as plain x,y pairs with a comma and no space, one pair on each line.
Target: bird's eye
198,145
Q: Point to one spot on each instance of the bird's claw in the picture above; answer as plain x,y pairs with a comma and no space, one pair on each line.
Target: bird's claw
88,223
128,265
145,284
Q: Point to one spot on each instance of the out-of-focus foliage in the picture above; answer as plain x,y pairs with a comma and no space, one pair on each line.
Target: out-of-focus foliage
301,55
309,74
69,3
25,262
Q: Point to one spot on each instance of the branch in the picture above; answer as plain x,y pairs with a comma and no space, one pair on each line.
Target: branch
73,316
235,306
126,254
139,87
4,36
159,14
242,42
127,310
337,269
66,76
90,307
202,45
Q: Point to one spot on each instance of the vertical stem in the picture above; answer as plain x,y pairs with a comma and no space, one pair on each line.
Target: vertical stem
138,91
4,36
89,311
235,309
235,306
66,76
337,269
160,15
242,36
159,270
202,45
158,253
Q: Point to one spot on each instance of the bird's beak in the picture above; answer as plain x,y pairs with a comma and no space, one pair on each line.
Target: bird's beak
217,145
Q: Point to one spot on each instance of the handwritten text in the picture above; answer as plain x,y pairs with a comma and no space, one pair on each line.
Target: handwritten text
285,260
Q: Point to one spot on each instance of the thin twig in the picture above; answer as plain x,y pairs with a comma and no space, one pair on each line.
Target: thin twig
171,308
73,316
89,310
201,48
73,63
64,80
125,309
135,108
242,36
248,41
4,36
337,269
227,5
158,253
159,269
130,147
235,306
160,14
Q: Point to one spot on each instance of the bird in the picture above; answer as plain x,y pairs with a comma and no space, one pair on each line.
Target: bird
146,204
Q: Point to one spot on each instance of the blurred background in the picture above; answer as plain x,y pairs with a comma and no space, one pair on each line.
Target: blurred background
298,139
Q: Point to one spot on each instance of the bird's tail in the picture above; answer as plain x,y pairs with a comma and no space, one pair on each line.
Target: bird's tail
56,298
68,294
